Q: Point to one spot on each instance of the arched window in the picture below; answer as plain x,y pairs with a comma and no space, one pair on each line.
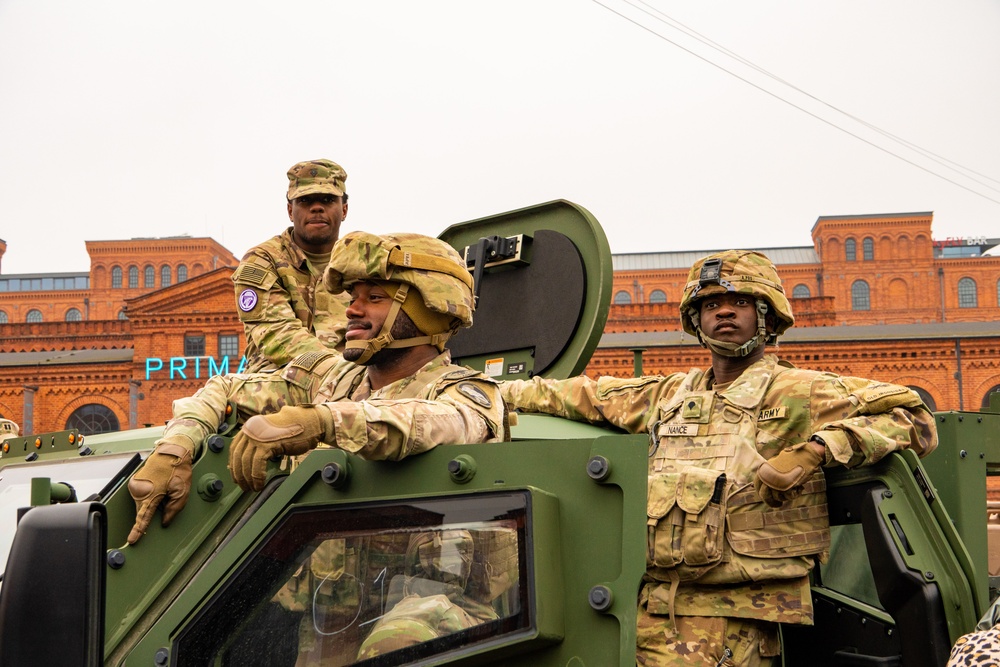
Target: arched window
116,277
967,297
182,273
622,298
860,296
164,276
3,317
73,315
850,250
925,397
658,296
868,249
986,399
34,315
801,292
122,315
93,418
149,276
133,276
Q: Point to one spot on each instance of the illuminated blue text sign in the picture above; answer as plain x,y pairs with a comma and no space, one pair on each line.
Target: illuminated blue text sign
190,368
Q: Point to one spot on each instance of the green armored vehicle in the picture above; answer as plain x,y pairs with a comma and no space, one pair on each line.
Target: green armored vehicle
541,540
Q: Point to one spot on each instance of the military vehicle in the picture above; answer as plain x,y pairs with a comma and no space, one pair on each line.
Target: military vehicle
541,540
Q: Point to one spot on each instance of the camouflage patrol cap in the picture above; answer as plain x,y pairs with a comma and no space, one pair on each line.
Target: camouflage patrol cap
430,265
739,271
316,177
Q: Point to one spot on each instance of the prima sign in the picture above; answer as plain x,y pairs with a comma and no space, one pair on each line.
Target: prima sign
190,368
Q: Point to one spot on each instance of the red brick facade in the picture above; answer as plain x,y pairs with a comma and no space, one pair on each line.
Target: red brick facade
906,285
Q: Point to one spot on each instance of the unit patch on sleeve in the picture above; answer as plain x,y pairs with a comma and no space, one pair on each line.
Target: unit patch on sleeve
247,300
474,393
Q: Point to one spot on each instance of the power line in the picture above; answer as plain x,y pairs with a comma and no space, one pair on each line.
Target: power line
832,124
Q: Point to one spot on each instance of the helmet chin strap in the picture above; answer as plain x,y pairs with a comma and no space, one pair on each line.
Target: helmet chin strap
385,339
732,349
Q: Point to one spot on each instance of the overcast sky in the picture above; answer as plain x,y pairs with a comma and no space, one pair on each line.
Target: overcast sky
137,118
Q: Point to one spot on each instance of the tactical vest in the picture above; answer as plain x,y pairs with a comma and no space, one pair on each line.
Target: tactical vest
706,523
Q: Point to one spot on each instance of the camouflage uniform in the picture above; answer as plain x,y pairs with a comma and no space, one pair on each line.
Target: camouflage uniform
284,305
452,405
722,564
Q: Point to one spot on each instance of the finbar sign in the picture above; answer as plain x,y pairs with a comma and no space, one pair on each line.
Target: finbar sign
955,241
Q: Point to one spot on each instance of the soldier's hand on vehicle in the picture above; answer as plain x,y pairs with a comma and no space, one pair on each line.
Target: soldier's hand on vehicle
166,474
290,431
781,478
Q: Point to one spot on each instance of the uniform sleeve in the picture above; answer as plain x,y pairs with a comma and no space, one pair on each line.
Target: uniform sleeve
863,420
196,417
269,319
380,429
625,403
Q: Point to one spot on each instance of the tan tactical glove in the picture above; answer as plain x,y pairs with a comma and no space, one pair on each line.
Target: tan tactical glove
289,431
781,478
166,474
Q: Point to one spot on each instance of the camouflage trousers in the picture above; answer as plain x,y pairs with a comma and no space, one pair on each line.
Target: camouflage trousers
706,641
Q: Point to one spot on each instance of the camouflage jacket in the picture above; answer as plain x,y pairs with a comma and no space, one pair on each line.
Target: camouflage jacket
760,569
284,306
441,404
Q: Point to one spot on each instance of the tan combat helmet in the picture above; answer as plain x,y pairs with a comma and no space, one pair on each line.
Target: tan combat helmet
440,301
742,272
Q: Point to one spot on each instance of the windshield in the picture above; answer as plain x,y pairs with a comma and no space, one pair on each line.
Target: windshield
88,476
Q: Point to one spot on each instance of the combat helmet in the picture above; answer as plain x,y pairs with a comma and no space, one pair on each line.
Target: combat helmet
424,276
743,272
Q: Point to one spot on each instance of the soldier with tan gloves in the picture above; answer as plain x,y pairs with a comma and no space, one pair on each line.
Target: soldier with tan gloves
737,508
394,393
281,299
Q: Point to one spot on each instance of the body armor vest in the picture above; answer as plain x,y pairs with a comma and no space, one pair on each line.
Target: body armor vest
706,521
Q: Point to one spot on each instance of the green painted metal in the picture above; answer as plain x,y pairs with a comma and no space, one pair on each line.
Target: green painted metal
586,533
575,222
968,451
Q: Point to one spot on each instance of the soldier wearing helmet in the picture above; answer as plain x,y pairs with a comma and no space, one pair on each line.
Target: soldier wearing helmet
408,294
285,308
736,508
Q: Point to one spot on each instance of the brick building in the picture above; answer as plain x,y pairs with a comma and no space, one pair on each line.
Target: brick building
873,296
112,348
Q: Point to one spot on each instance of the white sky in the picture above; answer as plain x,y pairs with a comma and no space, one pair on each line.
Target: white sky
137,118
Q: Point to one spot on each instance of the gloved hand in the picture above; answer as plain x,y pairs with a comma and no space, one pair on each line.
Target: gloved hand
781,478
165,474
289,431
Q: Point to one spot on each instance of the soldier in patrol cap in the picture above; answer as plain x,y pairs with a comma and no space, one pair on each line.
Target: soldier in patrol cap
408,295
736,507
285,308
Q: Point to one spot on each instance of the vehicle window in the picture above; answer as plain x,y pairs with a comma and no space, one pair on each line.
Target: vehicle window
379,583
87,476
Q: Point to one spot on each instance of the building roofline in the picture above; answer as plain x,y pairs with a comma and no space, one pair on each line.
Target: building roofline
838,334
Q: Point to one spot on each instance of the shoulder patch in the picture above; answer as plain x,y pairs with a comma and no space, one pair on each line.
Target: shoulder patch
247,300
250,274
475,394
